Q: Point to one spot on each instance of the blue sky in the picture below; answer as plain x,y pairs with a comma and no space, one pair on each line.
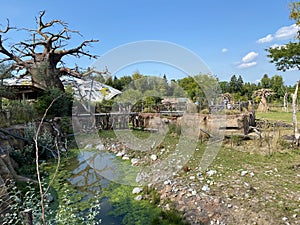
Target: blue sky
229,36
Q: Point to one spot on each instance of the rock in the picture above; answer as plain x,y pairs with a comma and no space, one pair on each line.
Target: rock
88,146
205,188
134,161
137,190
138,198
120,154
167,182
100,147
125,157
229,206
192,177
167,207
244,172
153,157
211,172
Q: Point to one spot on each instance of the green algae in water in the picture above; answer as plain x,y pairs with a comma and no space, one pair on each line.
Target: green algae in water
135,212
82,181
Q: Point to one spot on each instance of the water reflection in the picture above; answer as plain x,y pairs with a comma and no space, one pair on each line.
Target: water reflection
87,179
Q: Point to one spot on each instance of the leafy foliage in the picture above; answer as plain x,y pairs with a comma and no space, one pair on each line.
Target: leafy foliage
68,213
286,57
61,107
19,112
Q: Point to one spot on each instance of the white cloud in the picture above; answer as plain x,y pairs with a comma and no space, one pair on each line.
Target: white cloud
224,50
282,33
286,32
265,39
249,57
247,65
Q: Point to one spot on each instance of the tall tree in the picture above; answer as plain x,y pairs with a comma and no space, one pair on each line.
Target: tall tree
233,83
288,57
277,85
41,56
125,81
240,84
265,81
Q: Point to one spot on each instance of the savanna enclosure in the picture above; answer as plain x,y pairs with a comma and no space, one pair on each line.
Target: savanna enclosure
80,146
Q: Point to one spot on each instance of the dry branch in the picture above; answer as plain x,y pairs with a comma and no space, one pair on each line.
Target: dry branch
41,55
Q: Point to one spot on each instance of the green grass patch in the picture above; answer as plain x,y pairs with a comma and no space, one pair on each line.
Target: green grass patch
286,117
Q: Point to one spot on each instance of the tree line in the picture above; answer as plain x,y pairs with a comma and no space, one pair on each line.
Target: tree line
196,87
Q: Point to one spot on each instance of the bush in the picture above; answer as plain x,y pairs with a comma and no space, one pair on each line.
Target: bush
15,201
174,129
61,107
204,111
19,112
46,147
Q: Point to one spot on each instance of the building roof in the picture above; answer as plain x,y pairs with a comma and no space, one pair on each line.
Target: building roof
83,88
90,90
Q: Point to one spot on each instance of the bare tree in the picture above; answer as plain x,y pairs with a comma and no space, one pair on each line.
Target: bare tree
295,122
285,101
41,56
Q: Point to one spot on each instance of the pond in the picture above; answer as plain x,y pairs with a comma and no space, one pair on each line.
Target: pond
87,180
92,172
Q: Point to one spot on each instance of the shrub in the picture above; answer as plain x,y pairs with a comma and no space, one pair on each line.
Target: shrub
14,202
19,112
174,128
204,111
61,107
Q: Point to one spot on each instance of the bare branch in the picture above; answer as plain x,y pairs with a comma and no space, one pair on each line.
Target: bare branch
75,73
78,50
45,47
35,139
7,28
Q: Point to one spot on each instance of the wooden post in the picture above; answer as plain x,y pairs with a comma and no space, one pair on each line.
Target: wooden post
27,214
294,102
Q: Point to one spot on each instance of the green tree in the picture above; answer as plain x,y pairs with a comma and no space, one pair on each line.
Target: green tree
175,90
277,86
249,88
125,81
202,88
239,84
265,81
225,87
109,81
288,57
190,86
233,83
61,107
136,75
